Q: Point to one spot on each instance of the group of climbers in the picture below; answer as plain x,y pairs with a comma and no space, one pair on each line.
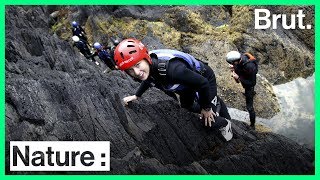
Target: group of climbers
105,53
177,73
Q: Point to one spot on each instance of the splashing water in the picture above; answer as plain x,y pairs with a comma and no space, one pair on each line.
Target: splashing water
296,117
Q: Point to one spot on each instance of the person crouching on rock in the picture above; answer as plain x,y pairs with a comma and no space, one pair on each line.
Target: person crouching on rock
83,48
244,68
178,72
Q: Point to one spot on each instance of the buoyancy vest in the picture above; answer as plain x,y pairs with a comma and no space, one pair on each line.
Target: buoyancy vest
165,55
77,31
248,58
251,59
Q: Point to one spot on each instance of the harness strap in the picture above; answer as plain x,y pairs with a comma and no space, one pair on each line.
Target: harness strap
162,67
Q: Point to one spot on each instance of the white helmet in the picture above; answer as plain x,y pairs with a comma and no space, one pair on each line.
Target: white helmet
233,56
97,45
75,38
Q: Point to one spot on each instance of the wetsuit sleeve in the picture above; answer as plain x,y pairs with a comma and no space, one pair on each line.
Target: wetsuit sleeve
251,71
179,73
143,87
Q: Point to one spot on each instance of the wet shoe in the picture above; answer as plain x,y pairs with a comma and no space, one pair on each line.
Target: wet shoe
227,131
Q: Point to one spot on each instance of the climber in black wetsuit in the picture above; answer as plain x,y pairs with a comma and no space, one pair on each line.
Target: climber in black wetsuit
244,68
105,54
77,30
83,48
178,72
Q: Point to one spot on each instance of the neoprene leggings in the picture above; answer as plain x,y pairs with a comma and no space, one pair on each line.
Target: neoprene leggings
249,93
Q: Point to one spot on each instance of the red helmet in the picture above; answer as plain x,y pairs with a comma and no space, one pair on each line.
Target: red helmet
129,52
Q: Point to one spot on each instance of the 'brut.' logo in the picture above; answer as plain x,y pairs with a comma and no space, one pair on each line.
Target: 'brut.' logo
263,21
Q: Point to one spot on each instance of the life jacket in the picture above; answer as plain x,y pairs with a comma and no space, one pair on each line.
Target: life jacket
248,58
107,58
165,55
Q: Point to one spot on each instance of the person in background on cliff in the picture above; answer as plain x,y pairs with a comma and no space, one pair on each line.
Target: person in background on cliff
83,48
178,72
244,68
105,53
77,30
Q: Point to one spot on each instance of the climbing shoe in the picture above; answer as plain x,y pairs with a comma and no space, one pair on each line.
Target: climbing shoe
227,131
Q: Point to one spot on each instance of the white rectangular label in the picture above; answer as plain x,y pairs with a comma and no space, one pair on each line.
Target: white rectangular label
59,156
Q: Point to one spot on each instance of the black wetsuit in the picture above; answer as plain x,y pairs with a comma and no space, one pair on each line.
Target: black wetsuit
78,31
247,76
106,55
84,49
178,72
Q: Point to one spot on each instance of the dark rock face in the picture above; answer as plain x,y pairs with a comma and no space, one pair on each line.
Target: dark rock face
55,94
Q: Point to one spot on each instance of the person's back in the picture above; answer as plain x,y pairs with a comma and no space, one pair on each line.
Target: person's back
247,70
103,54
167,68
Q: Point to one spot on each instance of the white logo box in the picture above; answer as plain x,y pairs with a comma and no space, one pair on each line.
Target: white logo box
51,156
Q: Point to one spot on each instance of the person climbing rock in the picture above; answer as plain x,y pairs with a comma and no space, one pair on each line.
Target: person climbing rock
77,30
244,68
83,48
178,72
105,55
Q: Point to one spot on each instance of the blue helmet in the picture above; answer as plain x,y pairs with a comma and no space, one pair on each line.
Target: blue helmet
97,45
74,24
